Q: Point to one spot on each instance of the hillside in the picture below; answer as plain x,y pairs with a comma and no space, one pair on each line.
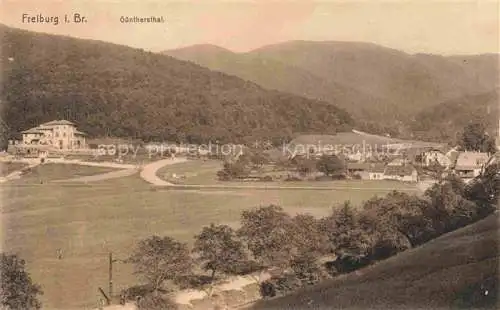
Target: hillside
442,122
276,74
456,270
373,83
119,91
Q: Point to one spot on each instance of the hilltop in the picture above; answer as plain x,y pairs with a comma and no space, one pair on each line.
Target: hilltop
382,87
119,91
454,270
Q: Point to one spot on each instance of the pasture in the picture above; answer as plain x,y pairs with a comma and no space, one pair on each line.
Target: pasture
9,167
87,221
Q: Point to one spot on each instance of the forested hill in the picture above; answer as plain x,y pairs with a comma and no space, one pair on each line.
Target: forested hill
115,90
444,121
382,87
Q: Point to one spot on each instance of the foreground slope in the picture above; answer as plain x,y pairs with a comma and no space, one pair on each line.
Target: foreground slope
115,90
459,270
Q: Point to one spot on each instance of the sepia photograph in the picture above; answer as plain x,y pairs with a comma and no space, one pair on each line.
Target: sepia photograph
249,154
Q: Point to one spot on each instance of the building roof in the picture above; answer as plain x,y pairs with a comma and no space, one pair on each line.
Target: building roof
471,160
399,170
58,122
33,130
376,168
358,166
78,132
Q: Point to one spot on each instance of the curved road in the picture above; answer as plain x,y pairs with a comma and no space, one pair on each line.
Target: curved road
148,172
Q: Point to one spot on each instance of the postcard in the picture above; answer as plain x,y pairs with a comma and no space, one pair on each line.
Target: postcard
237,154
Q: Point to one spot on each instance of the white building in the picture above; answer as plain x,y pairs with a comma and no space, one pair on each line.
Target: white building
436,156
58,134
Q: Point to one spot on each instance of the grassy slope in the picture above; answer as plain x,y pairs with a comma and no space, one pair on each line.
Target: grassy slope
89,220
437,275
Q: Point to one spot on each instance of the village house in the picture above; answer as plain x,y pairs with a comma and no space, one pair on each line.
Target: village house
470,164
366,171
404,173
376,171
58,134
431,157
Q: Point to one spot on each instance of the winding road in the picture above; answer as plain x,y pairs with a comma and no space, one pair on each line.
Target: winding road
148,172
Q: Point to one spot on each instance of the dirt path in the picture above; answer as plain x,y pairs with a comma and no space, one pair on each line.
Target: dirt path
148,172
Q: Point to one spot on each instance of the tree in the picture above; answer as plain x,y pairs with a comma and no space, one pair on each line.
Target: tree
474,138
304,271
157,260
307,236
18,290
330,165
232,170
258,158
448,208
485,190
266,231
399,214
219,249
345,231
304,165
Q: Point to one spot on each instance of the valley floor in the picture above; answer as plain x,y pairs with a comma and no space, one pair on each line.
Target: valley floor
87,220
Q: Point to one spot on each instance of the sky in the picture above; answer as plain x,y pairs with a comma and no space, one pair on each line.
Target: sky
424,26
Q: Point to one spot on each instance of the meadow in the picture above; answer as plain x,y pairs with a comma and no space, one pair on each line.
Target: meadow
204,172
9,167
87,221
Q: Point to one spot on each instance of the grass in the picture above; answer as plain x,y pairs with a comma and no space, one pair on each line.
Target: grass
198,172
9,167
87,221
53,171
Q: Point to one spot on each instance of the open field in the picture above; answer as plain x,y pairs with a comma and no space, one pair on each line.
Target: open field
52,172
199,172
87,221
6,168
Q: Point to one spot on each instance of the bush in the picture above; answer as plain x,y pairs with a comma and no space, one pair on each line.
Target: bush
279,286
266,178
348,263
323,178
155,302
293,179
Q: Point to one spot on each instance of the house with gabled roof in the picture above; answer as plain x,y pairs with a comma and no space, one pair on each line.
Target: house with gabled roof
470,164
405,173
